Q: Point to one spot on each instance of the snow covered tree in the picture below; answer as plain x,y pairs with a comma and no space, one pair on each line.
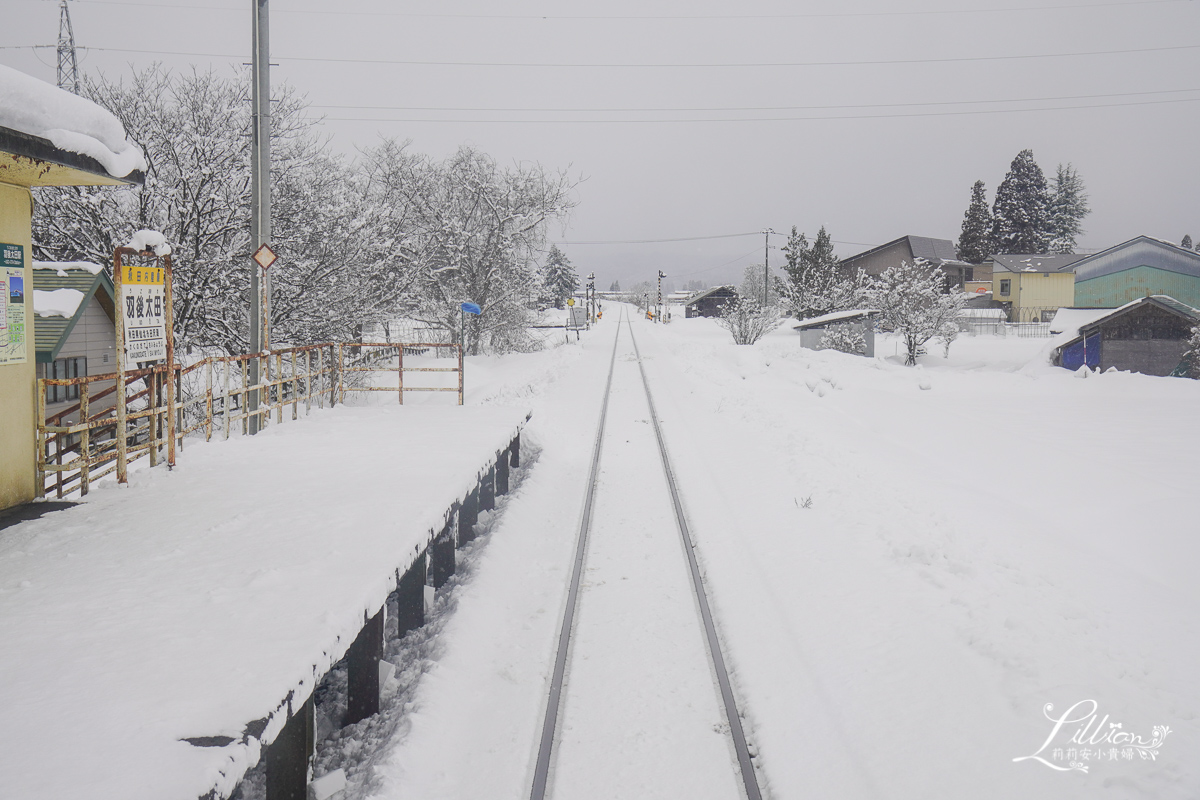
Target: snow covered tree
1186,244
1068,207
615,286
1192,356
194,129
695,286
558,278
847,337
1021,212
975,242
752,285
748,320
813,283
913,302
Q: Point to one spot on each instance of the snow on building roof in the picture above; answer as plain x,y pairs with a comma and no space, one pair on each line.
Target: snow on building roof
57,302
52,329
701,295
1072,319
1035,262
836,316
71,123
66,266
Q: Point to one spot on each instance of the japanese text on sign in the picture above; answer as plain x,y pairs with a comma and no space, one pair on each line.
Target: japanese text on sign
12,304
143,291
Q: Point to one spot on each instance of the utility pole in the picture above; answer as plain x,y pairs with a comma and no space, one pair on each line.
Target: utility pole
658,316
589,294
766,263
68,64
260,189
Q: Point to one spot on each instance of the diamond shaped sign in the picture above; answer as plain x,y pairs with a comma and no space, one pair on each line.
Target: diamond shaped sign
265,256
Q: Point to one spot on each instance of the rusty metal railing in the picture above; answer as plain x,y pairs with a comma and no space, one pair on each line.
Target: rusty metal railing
79,444
383,353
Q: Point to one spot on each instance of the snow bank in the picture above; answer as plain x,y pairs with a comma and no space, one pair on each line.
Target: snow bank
224,585
70,122
56,303
150,240
62,266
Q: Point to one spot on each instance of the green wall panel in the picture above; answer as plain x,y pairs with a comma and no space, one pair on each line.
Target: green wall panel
1119,288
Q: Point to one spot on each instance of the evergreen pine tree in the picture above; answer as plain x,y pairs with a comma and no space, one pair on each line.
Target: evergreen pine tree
616,286
1020,215
813,283
975,243
1186,244
1068,207
558,277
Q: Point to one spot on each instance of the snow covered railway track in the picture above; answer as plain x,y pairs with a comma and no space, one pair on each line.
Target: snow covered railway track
639,717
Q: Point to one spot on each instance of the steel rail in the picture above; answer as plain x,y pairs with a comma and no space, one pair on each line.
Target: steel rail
745,762
541,772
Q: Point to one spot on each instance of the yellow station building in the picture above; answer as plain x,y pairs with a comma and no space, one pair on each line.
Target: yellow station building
28,160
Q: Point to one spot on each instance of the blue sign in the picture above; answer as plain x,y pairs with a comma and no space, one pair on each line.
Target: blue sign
471,308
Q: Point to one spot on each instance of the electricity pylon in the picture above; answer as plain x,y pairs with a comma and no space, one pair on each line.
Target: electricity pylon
68,64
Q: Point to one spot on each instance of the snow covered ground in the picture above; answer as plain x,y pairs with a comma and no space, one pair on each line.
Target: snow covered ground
909,566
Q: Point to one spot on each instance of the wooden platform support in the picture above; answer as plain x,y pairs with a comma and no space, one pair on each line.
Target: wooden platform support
502,460
487,490
468,515
287,757
410,597
441,557
362,671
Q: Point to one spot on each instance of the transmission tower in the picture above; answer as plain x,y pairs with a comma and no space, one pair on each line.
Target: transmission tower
68,65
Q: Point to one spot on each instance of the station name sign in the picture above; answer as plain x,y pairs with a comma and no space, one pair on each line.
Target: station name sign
144,313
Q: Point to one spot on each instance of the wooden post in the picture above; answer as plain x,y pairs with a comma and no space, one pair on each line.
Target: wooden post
362,671
85,441
460,372
295,390
487,490
468,515
287,756
169,333
400,372
208,420
122,415
40,489
441,557
410,597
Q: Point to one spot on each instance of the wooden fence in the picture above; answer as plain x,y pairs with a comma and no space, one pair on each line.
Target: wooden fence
100,434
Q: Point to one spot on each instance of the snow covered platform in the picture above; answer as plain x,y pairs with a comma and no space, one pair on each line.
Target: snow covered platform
195,604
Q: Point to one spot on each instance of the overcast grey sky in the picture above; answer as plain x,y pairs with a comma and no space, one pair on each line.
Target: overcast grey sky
691,119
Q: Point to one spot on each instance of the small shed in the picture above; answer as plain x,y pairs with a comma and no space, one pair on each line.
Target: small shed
710,302
1148,335
75,332
812,331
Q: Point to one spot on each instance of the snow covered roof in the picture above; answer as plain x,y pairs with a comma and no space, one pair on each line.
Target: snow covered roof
1139,251
1035,262
1072,319
836,316
724,290
936,251
71,124
61,293
1074,325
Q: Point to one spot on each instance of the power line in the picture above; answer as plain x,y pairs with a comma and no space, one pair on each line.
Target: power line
660,17
696,239
756,108
659,241
765,119
695,65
